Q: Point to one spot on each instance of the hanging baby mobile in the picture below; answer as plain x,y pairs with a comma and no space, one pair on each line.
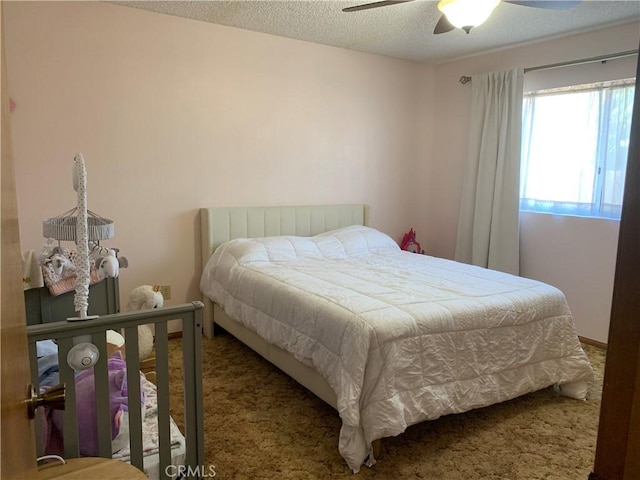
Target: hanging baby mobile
86,230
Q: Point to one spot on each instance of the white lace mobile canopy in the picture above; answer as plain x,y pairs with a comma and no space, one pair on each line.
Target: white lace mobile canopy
81,226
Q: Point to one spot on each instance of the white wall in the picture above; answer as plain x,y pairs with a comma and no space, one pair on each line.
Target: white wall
575,255
173,114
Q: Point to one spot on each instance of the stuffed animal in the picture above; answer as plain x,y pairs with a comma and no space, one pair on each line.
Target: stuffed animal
145,297
410,243
59,261
61,265
110,265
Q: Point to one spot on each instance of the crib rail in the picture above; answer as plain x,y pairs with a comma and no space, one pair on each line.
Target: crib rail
64,333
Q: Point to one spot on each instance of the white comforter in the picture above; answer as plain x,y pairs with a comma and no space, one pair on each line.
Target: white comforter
400,337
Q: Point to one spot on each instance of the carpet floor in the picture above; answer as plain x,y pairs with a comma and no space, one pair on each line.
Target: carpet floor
260,424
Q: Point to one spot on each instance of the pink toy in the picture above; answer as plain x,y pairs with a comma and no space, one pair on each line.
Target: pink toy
409,242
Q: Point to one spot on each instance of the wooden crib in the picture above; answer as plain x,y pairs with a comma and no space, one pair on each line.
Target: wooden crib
64,332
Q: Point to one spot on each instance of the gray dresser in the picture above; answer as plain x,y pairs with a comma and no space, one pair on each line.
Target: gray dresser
42,307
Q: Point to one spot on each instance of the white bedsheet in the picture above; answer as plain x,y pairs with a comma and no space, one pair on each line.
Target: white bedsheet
400,337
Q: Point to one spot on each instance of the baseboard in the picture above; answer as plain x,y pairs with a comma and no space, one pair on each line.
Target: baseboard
594,343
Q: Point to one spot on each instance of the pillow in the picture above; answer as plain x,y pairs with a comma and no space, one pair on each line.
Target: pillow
335,244
275,249
354,240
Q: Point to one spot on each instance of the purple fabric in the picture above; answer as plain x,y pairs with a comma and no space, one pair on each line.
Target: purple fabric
86,407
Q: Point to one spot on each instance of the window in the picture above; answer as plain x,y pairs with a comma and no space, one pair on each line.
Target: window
575,143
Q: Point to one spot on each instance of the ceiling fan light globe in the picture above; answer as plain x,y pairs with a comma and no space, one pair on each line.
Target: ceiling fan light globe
467,14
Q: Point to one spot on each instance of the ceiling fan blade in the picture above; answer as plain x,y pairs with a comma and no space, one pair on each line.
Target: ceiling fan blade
367,6
549,4
443,26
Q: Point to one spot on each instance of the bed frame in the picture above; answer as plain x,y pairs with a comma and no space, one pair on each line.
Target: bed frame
219,225
64,332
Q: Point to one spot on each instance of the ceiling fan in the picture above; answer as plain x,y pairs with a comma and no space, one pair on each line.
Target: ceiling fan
467,14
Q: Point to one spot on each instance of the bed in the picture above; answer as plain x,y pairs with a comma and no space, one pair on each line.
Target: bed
388,338
147,437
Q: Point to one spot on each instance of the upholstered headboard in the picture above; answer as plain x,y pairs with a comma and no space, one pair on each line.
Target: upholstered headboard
220,224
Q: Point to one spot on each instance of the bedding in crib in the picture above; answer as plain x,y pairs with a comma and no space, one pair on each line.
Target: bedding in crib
400,337
150,437
48,373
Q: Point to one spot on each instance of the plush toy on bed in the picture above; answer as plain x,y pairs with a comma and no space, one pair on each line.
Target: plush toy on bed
410,243
145,297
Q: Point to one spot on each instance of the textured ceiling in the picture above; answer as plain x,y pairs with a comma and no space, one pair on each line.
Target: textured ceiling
403,30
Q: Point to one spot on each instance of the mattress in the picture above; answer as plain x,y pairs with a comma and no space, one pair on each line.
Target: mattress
400,337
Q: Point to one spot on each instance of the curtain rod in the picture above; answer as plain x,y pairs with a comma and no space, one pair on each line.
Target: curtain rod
602,58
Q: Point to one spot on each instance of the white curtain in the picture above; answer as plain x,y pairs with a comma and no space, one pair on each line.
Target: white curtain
488,224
